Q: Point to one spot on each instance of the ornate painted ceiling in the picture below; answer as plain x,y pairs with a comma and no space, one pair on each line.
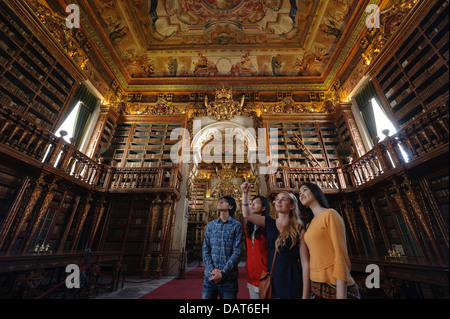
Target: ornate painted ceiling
150,42
198,45
228,38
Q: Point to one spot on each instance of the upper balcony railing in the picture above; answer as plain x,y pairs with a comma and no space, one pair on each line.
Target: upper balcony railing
420,140
19,138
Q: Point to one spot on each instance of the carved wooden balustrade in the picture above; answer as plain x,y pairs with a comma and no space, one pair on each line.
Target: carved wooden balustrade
329,179
141,179
20,138
420,140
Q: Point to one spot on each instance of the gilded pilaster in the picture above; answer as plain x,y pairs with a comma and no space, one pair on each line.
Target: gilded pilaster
98,214
155,212
86,206
409,221
42,211
441,224
368,218
351,219
167,208
38,189
421,214
13,211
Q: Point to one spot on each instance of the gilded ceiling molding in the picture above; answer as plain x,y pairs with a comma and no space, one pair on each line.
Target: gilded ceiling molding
242,83
390,20
288,106
224,108
68,38
162,107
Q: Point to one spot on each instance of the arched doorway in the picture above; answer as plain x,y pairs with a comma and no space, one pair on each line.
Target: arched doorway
223,153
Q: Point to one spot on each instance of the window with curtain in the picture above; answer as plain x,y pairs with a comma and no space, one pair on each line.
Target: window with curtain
69,123
374,114
364,100
78,114
382,123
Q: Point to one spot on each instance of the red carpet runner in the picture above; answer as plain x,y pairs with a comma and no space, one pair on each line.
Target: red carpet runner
191,286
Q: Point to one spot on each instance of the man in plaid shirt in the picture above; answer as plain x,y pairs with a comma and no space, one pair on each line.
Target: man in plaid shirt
222,250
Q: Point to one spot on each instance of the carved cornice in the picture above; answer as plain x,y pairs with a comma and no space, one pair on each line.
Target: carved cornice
391,19
68,38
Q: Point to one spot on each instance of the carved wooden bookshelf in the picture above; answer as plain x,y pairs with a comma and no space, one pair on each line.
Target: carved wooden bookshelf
32,81
415,78
320,138
143,144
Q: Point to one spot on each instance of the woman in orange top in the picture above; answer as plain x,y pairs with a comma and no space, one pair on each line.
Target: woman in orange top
326,241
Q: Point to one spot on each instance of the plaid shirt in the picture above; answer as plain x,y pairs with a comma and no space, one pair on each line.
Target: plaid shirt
222,247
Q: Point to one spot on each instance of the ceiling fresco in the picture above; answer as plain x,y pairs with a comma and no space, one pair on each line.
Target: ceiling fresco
227,39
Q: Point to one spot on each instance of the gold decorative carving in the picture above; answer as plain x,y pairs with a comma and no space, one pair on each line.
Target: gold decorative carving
422,214
167,208
390,20
226,187
288,106
368,218
85,211
155,211
350,214
404,211
40,183
99,210
226,173
162,107
65,36
223,107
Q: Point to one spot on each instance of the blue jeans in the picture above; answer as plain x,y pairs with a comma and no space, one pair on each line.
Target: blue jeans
224,289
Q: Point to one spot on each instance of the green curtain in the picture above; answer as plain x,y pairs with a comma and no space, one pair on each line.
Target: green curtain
363,99
87,106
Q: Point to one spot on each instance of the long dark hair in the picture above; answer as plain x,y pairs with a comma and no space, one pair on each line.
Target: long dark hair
249,226
306,213
231,202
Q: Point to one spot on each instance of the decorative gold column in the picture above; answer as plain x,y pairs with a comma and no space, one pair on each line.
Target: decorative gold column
164,247
367,216
155,210
69,224
441,224
13,211
40,183
98,214
350,214
409,221
422,215
85,207
42,211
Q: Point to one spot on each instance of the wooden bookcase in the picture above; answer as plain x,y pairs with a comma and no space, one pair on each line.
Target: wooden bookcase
198,193
128,231
10,183
415,78
394,226
320,138
32,81
54,222
143,144
345,137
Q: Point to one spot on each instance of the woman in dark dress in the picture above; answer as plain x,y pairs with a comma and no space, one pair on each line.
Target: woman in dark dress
285,235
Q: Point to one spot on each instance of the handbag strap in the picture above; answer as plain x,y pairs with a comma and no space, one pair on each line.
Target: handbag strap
273,261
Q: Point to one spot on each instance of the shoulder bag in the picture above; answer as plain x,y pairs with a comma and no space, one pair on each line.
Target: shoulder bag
266,282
